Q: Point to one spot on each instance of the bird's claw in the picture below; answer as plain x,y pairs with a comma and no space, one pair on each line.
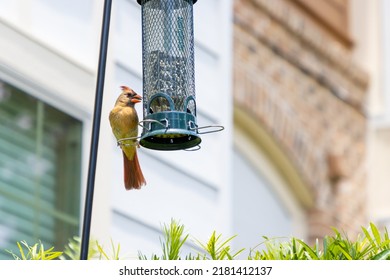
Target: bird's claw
134,144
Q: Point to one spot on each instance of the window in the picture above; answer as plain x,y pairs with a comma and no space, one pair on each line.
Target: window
40,157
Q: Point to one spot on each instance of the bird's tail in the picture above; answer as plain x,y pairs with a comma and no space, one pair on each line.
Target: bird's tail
133,176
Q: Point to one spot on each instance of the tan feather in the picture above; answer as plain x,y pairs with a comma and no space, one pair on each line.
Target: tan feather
124,123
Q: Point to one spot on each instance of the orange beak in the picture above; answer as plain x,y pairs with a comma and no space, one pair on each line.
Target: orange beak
136,99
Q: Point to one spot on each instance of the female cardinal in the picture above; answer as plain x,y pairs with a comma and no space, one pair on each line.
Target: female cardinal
124,124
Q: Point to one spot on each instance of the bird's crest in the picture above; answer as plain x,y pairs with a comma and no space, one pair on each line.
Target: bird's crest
125,88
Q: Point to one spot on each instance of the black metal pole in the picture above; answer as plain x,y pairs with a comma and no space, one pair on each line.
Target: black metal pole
95,130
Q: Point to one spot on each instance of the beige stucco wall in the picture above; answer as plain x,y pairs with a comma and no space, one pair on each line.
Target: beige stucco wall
370,30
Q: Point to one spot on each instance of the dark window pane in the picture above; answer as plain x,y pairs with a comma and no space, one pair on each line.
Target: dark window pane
40,155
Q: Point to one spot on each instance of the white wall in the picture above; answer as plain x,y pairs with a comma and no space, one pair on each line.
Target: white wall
192,187
259,211
51,50
264,202
53,54
67,27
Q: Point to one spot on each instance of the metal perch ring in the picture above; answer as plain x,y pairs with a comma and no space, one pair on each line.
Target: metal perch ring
154,121
217,128
119,141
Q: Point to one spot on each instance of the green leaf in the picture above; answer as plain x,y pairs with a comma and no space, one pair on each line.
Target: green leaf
217,249
384,255
23,257
309,250
101,251
376,234
368,236
345,253
35,252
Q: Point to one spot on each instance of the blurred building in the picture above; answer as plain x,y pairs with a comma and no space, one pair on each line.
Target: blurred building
300,95
299,87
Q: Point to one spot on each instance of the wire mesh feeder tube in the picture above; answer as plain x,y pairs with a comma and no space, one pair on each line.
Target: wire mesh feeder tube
169,110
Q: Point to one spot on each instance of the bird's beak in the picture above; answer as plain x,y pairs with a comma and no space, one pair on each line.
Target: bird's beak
136,99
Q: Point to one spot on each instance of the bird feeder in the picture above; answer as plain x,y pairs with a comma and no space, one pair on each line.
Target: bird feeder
169,108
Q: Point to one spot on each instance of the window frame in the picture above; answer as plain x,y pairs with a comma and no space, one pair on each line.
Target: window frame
53,78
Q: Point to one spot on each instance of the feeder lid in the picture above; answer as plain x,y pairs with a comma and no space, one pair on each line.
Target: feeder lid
139,1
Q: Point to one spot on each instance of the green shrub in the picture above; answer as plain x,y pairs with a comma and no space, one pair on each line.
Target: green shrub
35,252
371,244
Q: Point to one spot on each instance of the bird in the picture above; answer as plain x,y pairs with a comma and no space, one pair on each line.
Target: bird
124,123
